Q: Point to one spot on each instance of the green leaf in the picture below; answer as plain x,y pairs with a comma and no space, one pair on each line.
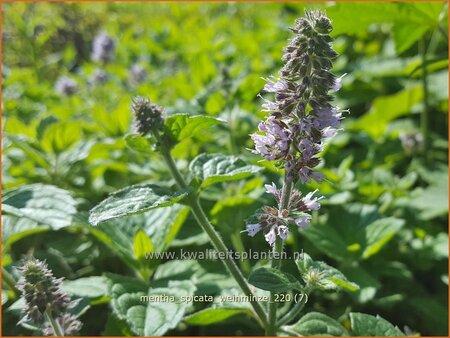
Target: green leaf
405,35
138,143
379,233
15,228
60,136
182,126
4,297
356,231
387,108
40,203
134,200
271,279
432,201
91,287
161,225
366,325
318,324
163,316
323,276
132,302
142,244
215,168
213,315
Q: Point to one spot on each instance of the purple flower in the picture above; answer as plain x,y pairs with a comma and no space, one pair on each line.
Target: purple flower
271,236
137,73
327,117
306,175
310,202
275,141
98,77
273,87
337,83
66,86
302,222
103,47
271,189
301,117
283,231
253,229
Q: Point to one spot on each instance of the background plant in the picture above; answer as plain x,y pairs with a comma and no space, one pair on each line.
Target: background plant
383,221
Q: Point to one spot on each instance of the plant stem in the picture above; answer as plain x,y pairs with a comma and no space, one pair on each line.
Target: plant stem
9,280
276,259
53,323
424,117
298,307
214,236
239,247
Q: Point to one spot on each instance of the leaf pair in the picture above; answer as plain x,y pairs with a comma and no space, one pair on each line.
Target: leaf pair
319,324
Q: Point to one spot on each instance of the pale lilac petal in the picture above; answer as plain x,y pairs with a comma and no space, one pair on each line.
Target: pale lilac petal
271,189
310,202
253,229
283,232
271,236
302,222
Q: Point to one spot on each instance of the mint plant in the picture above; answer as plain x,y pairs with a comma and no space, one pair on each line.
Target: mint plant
301,118
220,217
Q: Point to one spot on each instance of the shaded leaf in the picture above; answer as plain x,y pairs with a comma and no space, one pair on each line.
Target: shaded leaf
318,324
271,279
367,325
213,315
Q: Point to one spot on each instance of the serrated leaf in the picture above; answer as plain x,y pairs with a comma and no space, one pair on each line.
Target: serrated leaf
91,287
215,168
367,325
318,324
40,203
274,280
145,317
213,315
134,200
325,276
142,244
163,316
182,126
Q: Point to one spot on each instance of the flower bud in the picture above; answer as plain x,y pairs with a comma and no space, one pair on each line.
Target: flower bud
68,323
148,116
41,290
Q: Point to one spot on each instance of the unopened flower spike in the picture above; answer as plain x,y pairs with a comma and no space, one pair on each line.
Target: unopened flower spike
301,117
148,116
44,298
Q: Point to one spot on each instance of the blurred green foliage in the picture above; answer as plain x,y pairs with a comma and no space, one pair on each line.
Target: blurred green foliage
383,222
